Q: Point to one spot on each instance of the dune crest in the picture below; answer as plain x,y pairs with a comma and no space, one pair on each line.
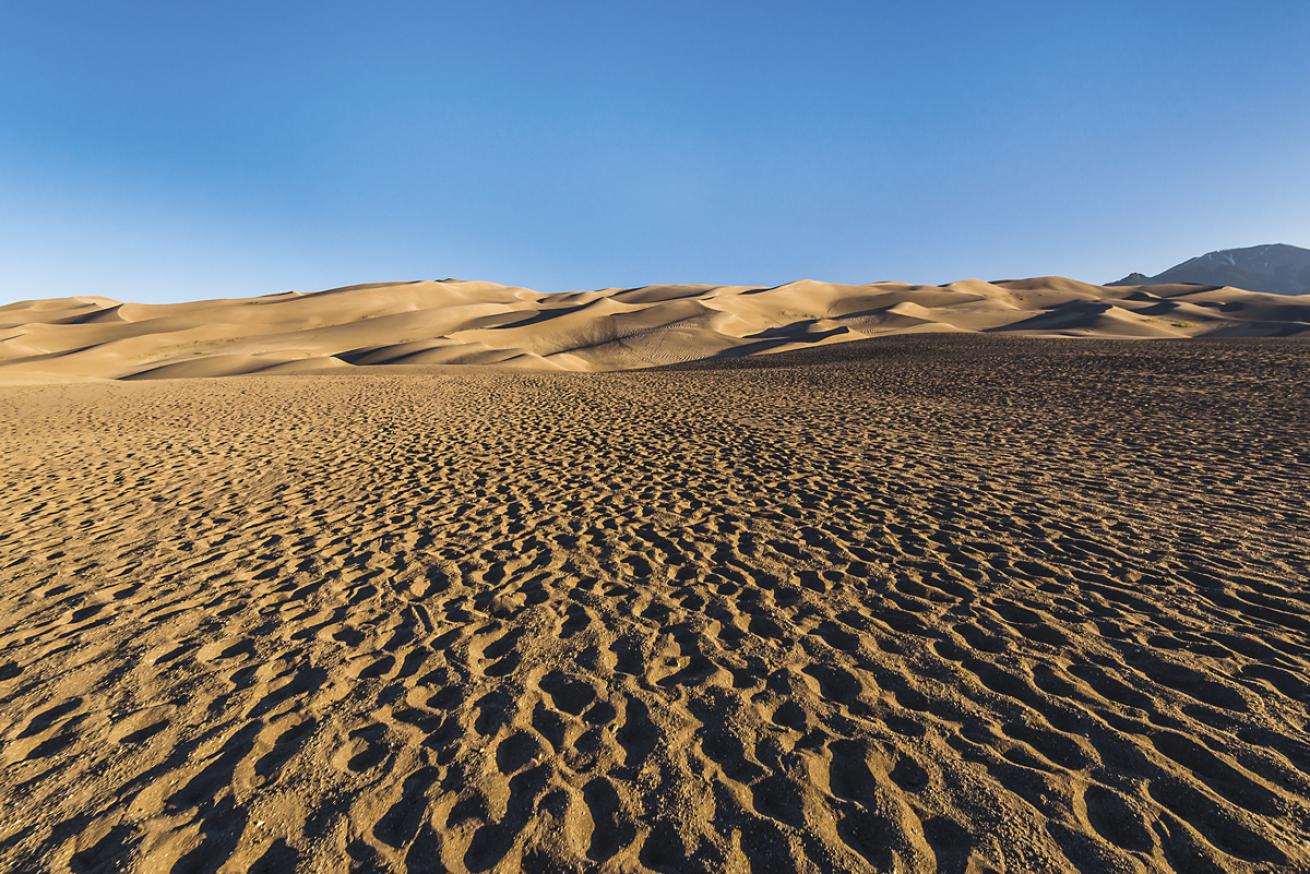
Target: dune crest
457,322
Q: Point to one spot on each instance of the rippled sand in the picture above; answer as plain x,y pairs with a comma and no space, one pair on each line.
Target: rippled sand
929,603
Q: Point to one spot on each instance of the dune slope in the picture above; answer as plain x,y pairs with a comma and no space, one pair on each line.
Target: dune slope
454,322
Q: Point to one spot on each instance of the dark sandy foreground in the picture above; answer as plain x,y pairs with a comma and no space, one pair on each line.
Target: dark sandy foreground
933,603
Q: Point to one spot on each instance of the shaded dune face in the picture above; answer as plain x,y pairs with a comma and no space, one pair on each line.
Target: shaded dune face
455,322
950,603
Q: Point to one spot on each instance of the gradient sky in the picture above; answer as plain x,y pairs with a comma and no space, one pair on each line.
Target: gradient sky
165,151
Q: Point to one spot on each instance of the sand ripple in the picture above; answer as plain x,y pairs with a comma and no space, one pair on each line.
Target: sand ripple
952,604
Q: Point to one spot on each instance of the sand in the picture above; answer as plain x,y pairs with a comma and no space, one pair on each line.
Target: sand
454,322
937,602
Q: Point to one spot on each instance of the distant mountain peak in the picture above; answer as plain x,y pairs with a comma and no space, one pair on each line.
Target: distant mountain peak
1277,268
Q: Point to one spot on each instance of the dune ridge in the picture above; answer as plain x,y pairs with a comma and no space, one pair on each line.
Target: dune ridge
458,322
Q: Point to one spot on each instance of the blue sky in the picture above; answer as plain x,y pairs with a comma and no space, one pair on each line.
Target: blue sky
165,151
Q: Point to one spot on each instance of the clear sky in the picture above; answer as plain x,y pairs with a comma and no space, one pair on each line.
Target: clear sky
172,150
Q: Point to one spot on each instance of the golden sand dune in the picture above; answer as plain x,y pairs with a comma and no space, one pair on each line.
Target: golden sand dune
456,322
946,603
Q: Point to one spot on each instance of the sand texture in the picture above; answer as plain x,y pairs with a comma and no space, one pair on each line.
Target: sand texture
480,323
938,602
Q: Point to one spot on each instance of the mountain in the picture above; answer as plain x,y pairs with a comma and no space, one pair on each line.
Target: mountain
454,322
1274,267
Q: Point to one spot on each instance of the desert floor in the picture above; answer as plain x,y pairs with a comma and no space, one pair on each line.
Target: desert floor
954,603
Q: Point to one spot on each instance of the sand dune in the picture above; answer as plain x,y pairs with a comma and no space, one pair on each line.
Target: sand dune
951,603
455,322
